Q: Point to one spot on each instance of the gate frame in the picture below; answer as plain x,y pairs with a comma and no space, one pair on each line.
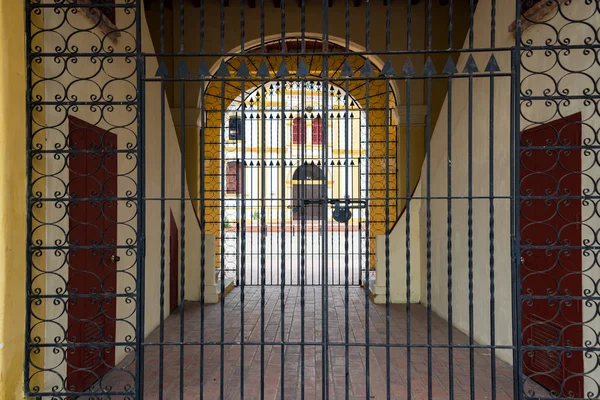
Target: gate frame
140,56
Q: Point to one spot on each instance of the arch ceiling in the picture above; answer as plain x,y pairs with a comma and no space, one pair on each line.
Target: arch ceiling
314,64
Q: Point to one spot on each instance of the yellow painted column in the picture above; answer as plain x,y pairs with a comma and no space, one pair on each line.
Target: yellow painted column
12,197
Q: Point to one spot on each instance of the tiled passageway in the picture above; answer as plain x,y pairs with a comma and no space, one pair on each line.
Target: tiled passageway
229,354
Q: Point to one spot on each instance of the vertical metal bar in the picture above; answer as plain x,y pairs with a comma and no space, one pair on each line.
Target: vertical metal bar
355,171
29,171
325,195
202,160
263,236
492,213
273,105
407,240
346,196
367,247
470,209
243,236
516,209
302,238
283,242
387,241
387,209
182,176
202,152
428,209
222,203
262,213
141,192
408,201
449,216
253,121
222,234
367,210
161,350
243,208
346,231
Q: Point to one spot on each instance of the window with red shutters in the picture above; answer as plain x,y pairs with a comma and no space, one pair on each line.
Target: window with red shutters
317,130
233,172
299,131
109,12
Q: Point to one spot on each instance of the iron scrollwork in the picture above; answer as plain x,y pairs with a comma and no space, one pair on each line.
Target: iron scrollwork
83,196
559,185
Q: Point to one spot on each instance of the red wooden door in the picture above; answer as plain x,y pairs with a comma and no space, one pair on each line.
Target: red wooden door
312,211
173,265
552,272
93,269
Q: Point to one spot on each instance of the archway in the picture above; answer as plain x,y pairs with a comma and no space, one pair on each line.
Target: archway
287,162
239,81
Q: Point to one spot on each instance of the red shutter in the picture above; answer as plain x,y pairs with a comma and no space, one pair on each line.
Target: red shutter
298,131
232,183
317,130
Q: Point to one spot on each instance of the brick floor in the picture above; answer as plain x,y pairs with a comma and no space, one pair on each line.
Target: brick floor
229,354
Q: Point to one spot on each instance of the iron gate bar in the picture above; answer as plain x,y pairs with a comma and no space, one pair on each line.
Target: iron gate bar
202,187
492,210
516,192
347,196
470,206
324,222
428,207
408,201
450,73
367,241
243,208
141,189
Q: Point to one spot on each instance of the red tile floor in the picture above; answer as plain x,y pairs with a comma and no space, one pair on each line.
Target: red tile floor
229,354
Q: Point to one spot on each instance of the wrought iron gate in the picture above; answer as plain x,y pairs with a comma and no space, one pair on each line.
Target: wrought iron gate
366,200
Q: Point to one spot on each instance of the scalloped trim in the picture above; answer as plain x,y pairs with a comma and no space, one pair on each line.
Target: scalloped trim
535,14
100,20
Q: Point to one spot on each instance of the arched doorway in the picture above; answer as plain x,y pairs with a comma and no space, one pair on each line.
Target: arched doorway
291,150
307,184
261,129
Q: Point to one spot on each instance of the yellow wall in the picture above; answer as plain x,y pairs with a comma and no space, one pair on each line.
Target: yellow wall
12,197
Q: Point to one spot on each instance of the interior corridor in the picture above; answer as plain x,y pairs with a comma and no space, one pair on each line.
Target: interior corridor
312,353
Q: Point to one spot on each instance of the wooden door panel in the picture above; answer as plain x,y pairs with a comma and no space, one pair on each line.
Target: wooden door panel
307,191
92,223
552,172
